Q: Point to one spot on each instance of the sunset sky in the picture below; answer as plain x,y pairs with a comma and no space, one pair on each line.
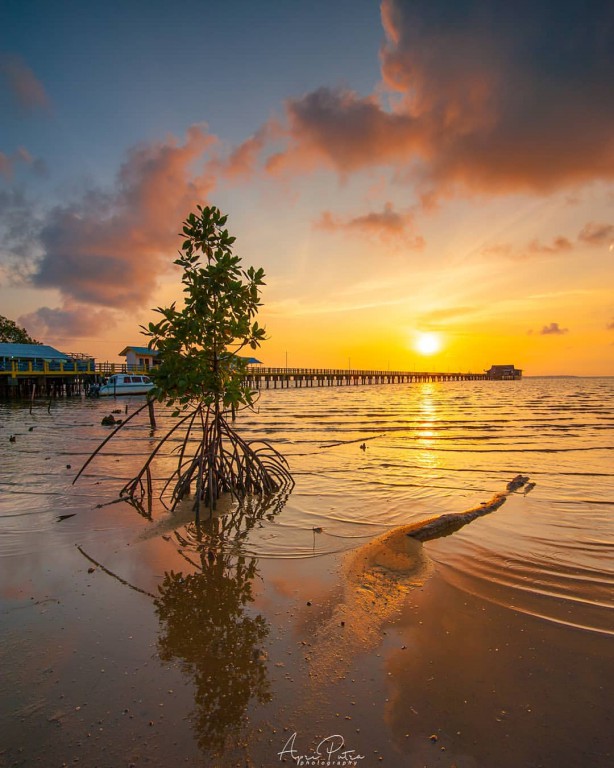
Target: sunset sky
399,169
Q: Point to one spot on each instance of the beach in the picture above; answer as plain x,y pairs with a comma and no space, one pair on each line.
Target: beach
289,634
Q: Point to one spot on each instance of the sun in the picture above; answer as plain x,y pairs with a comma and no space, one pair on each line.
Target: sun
427,343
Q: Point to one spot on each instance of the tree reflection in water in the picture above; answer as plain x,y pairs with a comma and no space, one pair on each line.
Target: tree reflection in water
206,623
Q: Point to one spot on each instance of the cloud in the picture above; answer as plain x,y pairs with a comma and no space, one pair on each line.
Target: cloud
474,98
21,156
109,248
592,234
6,166
37,164
344,131
558,245
553,330
597,234
27,91
72,321
242,162
610,326
533,249
18,232
387,225
513,97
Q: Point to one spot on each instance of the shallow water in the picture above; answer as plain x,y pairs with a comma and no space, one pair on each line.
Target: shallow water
428,449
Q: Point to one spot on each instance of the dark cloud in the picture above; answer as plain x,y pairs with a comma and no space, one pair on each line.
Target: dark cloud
19,228
514,95
109,248
347,132
553,330
477,95
26,90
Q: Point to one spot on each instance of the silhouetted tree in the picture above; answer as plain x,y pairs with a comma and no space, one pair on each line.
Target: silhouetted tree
12,333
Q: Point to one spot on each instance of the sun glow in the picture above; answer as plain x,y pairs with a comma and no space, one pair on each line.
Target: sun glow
427,343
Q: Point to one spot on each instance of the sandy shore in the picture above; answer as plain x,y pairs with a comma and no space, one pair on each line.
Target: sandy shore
396,663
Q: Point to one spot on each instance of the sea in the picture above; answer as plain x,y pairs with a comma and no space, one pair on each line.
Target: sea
366,459
80,571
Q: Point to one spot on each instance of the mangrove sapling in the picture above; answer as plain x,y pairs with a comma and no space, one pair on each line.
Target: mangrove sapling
201,377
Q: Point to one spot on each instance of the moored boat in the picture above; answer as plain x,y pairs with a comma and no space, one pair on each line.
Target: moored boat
126,384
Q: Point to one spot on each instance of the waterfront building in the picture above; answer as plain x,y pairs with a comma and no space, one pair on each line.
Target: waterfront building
504,372
139,358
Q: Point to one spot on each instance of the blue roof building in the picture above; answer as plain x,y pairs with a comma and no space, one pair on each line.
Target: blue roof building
30,352
24,361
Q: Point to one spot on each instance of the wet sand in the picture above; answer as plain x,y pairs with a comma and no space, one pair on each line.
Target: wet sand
402,665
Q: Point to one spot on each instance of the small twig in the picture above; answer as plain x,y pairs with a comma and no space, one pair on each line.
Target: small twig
114,575
104,442
349,442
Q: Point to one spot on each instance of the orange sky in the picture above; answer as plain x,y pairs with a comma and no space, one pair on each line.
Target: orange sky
447,173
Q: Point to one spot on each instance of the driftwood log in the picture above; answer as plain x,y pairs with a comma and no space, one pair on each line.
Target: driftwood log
435,527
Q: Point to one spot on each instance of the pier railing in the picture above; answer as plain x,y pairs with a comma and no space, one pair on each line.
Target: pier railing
273,378
19,368
255,373
333,376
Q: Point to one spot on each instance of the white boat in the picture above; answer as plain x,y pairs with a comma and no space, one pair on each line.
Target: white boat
126,384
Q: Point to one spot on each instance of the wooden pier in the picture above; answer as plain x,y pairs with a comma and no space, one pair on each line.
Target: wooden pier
45,378
285,378
60,378
259,377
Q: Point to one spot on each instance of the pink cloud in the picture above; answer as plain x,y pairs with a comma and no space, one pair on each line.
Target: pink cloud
71,320
597,234
592,234
243,160
559,244
110,247
26,90
387,225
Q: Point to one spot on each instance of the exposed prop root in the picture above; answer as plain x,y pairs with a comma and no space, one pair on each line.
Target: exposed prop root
212,459
215,459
